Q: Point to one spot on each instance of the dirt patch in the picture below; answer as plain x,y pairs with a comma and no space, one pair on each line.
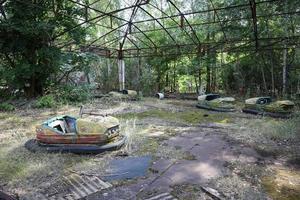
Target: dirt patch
284,184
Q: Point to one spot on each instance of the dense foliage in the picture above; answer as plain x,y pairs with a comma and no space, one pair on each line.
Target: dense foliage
29,32
36,35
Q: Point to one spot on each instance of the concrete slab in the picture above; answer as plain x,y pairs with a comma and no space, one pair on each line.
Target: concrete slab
127,168
186,171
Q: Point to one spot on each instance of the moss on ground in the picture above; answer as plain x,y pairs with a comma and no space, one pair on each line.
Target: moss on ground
189,191
235,187
4,115
283,185
149,147
190,116
17,163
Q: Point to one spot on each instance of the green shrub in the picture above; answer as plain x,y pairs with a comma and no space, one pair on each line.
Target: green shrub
6,107
63,94
71,94
47,101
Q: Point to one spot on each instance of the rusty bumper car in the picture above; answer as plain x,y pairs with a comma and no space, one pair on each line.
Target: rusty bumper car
215,102
266,107
83,135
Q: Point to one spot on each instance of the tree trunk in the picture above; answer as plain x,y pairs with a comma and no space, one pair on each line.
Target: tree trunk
208,70
272,75
208,83
33,88
158,86
108,67
139,88
263,75
298,85
167,81
284,71
213,67
174,78
196,84
284,59
199,80
214,77
272,63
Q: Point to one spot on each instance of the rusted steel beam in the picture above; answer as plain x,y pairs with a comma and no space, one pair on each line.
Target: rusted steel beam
158,23
128,28
195,49
222,21
218,18
130,24
188,23
231,41
246,49
147,37
142,41
101,16
166,28
111,41
95,2
71,42
134,44
235,49
206,11
241,48
113,30
97,10
181,25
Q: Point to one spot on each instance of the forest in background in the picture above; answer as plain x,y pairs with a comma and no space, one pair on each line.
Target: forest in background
41,41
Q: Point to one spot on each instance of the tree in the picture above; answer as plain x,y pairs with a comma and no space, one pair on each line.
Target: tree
30,31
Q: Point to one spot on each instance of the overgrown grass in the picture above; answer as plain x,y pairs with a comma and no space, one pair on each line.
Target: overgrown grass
14,121
269,137
191,117
277,130
285,130
20,168
5,115
6,107
18,165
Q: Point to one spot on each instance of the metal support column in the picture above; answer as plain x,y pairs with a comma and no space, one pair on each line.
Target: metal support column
121,66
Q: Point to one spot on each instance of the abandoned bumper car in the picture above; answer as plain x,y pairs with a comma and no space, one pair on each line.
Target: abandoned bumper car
264,106
124,95
83,135
215,103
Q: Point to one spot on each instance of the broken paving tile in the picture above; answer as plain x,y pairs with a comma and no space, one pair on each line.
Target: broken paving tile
162,196
161,165
71,187
127,191
128,168
188,171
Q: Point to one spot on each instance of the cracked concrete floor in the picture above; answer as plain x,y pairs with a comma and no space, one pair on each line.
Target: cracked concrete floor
209,153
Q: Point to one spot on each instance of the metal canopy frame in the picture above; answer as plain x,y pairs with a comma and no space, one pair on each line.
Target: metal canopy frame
130,34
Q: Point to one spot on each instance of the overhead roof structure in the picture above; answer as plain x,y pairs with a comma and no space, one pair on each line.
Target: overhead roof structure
133,23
